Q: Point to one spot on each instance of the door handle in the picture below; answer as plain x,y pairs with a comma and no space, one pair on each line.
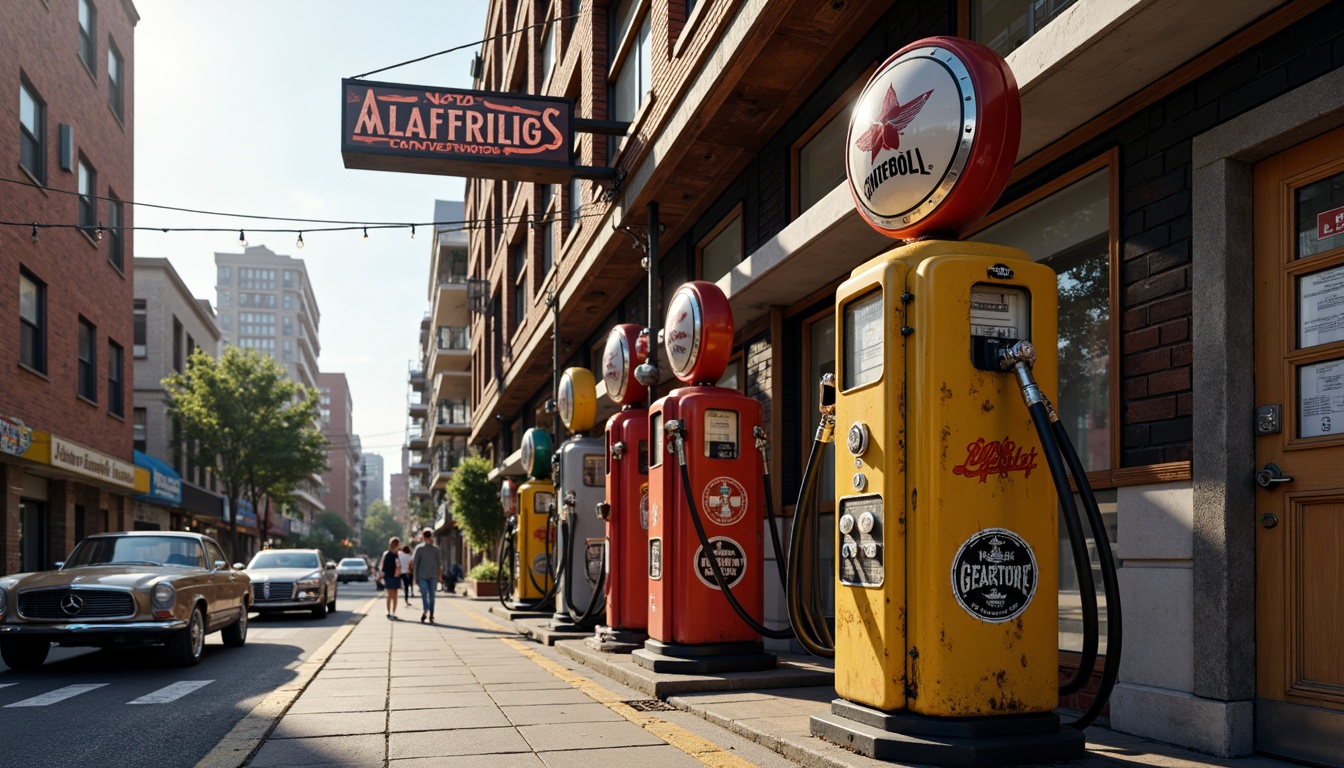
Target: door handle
1271,476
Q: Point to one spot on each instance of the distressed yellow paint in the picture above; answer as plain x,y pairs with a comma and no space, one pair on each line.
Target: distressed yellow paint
530,547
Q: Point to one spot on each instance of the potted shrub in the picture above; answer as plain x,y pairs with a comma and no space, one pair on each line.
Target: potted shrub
481,580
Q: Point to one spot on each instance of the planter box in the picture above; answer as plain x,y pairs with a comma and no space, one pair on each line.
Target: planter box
482,588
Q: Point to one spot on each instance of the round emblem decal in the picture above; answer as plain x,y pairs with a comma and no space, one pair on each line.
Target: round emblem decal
724,501
731,558
933,138
541,565
994,575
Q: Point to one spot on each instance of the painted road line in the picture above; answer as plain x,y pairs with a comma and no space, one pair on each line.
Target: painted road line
6,685
239,744
172,692
60,694
701,749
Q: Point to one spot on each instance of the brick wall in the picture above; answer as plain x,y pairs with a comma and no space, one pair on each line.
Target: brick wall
40,41
1155,230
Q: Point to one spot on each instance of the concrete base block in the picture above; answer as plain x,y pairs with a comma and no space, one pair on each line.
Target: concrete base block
1221,728
969,752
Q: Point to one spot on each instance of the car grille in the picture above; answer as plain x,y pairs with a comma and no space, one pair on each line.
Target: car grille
65,604
273,591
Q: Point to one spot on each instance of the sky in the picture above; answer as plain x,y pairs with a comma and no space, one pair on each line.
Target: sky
237,110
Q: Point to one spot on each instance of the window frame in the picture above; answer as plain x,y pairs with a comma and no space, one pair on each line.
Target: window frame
38,174
116,379
116,85
88,200
735,214
116,236
38,363
140,329
621,52
1109,161
846,100
86,353
88,38
518,264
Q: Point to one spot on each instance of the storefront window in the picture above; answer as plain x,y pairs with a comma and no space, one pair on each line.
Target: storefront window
1006,24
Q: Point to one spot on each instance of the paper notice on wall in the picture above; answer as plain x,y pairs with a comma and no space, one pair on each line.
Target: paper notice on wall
1320,302
1321,399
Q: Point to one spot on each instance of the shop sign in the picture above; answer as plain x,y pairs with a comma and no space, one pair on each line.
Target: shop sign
15,436
90,463
994,575
452,132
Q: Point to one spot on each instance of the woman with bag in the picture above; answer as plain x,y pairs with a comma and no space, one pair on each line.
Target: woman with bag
391,568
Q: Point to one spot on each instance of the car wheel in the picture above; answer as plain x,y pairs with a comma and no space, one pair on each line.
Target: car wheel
184,648
22,653
235,635
331,606
320,610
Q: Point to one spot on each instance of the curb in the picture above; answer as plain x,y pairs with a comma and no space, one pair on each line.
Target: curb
239,744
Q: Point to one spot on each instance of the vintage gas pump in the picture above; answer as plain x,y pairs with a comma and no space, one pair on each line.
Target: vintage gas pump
626,506
946,628
706,503
579,542
527,553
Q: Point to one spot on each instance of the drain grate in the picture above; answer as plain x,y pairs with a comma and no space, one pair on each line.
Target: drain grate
650,705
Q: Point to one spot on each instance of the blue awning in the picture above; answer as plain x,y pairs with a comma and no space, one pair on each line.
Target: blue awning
165,485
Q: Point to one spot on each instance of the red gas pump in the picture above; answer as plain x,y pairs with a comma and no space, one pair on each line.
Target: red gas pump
706,484
626,508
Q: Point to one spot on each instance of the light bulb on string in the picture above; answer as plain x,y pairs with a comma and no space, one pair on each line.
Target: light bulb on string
99,235
412,231
34,233
299,243
242,239
366,233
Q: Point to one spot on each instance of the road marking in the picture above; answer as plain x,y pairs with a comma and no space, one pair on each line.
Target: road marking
60,694
6,685
172,692
701,749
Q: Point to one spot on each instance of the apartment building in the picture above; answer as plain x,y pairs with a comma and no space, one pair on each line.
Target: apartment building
370,480
440,400
169,324
340,490
265,302
66,461
1180,168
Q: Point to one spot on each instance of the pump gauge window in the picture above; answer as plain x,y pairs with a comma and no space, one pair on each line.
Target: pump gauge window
863,343
1000,312
721,434
656,427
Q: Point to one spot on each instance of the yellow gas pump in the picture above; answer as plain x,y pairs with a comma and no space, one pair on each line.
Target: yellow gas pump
531,544
946,596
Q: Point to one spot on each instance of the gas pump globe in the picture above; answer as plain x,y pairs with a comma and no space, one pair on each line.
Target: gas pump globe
625,508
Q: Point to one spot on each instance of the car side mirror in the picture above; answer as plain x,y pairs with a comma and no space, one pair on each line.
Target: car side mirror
220,564
331,566
238,566
60,564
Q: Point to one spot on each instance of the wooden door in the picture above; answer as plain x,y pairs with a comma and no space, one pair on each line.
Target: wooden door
1299,367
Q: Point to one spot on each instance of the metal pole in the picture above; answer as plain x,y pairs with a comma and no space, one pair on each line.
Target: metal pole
653,293
555,370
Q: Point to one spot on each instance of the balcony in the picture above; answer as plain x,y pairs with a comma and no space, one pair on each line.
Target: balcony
451,349
452,414
417,377
417,487
418,409
416,437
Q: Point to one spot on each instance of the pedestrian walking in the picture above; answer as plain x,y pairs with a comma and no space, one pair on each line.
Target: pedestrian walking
407,585
450,578
391,570
428,564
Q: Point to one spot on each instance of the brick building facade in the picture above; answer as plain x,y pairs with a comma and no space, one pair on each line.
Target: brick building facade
67,70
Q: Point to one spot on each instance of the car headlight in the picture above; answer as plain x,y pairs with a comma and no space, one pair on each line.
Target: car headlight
310,581
163,595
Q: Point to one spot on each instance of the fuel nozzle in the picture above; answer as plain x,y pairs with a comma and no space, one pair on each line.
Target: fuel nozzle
603,510
676,431
826,429
1019,359
762,445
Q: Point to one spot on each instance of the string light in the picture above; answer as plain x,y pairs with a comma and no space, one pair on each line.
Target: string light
299,244
99,235
412,231
242,239
366,233
34,233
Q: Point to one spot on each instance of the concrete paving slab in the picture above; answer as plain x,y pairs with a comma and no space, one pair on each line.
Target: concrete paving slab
304,725
666,756
402,682
399,700
446,719
470,741
331,673
559,737
353,751
512,760
792,672
544,696
355,686
541,714
311,704
539,685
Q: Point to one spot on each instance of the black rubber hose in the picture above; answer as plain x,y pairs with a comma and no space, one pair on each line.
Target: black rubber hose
804,619
504,576
780,565
580,617
816,597
1082,564
1109,578
774,634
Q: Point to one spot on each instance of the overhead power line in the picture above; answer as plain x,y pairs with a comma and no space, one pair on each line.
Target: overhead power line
465,46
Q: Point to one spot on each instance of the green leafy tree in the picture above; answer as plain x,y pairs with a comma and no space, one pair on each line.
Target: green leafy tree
379,526
330,533
422,512
242,416
475,504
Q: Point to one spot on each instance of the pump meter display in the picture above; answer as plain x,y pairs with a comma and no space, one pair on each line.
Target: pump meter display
863,341
721,434
1000,317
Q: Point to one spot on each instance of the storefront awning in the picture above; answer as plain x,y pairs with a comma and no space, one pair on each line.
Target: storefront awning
165,485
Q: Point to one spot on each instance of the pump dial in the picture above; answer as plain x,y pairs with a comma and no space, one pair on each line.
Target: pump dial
858,438
846,524
870,550
866,521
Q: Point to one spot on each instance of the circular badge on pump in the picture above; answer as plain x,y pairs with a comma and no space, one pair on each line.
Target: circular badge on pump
536,453
724,501
732,561
577,399
541,564
618,365
933,138
698,332
994,575
644,506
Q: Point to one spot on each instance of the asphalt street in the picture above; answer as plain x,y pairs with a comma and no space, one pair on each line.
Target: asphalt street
128,707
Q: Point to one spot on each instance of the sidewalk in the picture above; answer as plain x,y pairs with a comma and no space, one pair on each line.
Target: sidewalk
471,691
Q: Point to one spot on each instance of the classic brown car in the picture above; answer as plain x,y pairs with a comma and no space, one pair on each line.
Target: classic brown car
126,588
